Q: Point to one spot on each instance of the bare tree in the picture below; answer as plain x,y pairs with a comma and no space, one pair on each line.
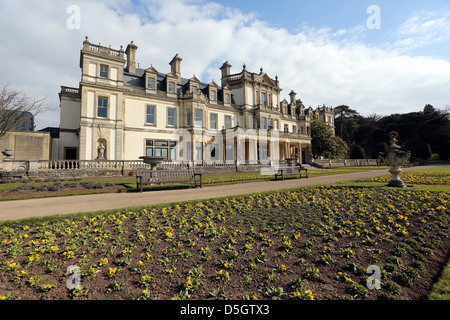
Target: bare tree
17,108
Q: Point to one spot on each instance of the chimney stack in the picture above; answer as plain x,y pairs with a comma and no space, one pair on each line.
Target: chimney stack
131,57
226,70
175,66
293,95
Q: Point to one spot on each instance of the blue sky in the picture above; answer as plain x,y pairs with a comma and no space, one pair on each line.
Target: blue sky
323,50
294,15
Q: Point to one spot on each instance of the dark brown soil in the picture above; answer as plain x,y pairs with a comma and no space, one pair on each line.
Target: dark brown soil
244,225
61,190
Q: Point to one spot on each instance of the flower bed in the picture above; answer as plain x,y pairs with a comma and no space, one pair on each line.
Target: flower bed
418,177
314,243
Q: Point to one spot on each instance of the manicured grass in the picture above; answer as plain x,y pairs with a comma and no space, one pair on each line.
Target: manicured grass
441,289
431,179
130,183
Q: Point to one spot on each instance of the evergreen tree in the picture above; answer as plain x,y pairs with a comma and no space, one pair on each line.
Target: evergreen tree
325,143
357,153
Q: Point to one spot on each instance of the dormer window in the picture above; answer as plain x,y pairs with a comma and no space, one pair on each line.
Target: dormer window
193,89
213,95
151,83
227,98
104,71
171,87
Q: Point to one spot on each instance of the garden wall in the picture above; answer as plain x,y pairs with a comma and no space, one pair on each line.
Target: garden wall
336,163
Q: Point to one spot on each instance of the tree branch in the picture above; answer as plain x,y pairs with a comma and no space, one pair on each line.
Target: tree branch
16,108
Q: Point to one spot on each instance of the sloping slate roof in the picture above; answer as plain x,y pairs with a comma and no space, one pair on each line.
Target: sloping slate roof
138,80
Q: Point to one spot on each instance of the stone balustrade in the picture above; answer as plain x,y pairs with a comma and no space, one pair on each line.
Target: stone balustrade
82,169
90,164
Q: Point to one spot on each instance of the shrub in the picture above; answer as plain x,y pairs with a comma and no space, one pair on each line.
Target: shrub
53,187
70,185
23,187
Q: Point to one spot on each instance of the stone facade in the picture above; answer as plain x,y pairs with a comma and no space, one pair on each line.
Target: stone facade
27,145
121,112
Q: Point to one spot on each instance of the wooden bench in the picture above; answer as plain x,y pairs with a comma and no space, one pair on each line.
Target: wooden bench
291,171
149,177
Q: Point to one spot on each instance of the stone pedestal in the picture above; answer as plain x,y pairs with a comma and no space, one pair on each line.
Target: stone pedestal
396,181
7,165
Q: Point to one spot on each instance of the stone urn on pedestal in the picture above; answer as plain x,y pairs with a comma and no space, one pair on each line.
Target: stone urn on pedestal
153,161
395,159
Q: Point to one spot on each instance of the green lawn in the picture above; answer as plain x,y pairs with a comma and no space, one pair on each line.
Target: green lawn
128,184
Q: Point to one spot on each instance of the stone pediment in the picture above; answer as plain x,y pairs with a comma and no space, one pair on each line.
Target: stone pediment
213,84
151,70
194,79
265,79
171,75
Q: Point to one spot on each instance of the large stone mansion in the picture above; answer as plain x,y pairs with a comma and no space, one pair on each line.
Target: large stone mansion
121,112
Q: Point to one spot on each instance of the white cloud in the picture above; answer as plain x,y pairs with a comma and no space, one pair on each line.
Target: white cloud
423,28
40,53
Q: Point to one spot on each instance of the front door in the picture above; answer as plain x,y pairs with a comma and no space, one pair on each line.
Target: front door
70,153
